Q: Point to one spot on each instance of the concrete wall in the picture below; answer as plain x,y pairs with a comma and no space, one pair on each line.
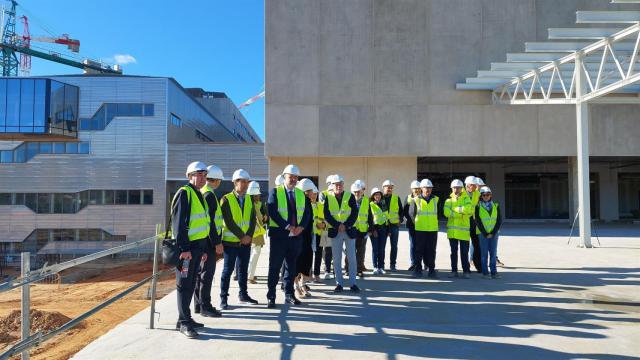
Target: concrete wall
385,71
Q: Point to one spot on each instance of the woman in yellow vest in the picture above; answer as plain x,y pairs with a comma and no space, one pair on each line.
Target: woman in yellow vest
319,227
325,241
488,220
423,212
458,209
379,230
258,236
305,257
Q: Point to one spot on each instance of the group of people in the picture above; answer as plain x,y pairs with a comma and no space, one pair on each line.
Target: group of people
306,226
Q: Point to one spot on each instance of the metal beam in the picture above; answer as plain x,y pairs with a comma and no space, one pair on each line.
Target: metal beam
581,33
607,17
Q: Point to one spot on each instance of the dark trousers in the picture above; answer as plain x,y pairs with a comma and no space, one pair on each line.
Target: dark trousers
378,244
361,249
231,255
425,250
475,241
412,236
282,249
305,256
394,232
186,286
202,295
464,254
317,257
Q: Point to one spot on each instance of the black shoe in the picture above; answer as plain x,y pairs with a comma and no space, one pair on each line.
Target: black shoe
393,268
210,311
355,288
411,268
191,323
338,289
417,274
433,274
246,299
224,305
292,299
271,303
196,309
360,275
188,331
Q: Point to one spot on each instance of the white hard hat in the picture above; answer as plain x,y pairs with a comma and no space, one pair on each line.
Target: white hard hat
279,180
415,184
240,174
356,187
388,183
337,179
426,183
375,190
361,183
214,172
456,183
292,170
485,189
254,188
479,182
306,185
329,178
470,180
196,166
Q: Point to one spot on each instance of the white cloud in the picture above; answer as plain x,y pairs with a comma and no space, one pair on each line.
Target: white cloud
122,59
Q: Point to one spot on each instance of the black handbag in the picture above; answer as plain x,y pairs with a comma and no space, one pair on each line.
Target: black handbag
170,250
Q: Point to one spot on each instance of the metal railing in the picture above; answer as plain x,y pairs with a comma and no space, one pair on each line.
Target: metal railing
28,277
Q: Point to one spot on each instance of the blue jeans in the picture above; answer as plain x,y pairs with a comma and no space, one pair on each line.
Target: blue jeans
378,244
393,238
412,234
231,254
488,249
349,244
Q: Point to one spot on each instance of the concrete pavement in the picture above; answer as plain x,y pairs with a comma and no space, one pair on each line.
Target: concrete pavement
555,301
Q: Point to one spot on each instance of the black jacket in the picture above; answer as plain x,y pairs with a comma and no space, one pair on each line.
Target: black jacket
210,198
498,220
233,227
180,216
280,230
351,220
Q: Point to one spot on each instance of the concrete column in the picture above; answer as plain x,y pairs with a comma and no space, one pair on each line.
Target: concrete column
609,207
582,135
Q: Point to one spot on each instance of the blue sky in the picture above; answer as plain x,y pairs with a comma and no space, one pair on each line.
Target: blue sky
217,45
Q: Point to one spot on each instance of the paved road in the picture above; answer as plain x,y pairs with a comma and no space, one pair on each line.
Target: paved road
554,302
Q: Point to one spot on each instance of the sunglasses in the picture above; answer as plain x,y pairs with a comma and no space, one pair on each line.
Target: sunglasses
486,194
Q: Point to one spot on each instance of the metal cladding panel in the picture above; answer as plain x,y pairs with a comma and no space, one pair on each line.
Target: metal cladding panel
229,157
128,154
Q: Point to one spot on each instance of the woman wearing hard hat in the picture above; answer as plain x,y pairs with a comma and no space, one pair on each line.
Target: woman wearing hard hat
262,219
458,209
378,231
362,225
325,241
305,257
319,228
471,187
415,192
488,219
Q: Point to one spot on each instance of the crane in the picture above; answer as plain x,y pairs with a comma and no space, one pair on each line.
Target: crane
12,44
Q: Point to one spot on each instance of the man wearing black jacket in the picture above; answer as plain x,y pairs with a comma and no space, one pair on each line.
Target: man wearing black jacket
290,213
488,221
191,229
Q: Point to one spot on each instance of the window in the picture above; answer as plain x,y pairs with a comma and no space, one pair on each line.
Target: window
59,148
6,156
121,197
108,197
26,105
71,148
147,197
31,200
84,148
108,111
71,203
148,110
45,148
20,154
134,197
26,151
32,150
176,121
13,105
5,198
44,203
95,197
3,104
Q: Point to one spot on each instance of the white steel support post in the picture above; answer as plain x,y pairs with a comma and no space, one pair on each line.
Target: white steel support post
582,126
25,301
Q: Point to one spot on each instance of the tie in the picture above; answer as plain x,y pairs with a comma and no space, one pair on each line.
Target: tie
292,209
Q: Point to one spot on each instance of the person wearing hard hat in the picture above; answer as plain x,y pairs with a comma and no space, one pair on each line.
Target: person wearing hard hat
481,184
289,215
258,235
341,212
423,212
394,206
325,242
363,221
239,215
202,294
458,210
378,230
279,180
305,257
415,192
191,227
489,220
319,226
471,187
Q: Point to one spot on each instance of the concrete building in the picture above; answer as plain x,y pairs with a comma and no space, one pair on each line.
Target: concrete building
366,88
90,161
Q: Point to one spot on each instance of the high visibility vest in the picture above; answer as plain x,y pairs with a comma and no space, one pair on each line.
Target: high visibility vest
362,222
339,212
217,218
409,198
199,221
475,199
242,218
283,210
394,214
260,230
318,216
426,214
379,216
488,220
458,211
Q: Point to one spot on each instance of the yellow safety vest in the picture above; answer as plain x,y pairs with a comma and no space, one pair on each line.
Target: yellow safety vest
379,216
488,220
426,214
362,222
394,215
281,197
199,221
339,212
242,218
260,230
318,216
458,211
217,219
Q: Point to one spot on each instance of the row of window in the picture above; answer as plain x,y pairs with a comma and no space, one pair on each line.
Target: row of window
46,235
108,111
71,203
27,150
176,121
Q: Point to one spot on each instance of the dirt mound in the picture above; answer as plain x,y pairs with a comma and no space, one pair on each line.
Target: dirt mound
44,321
